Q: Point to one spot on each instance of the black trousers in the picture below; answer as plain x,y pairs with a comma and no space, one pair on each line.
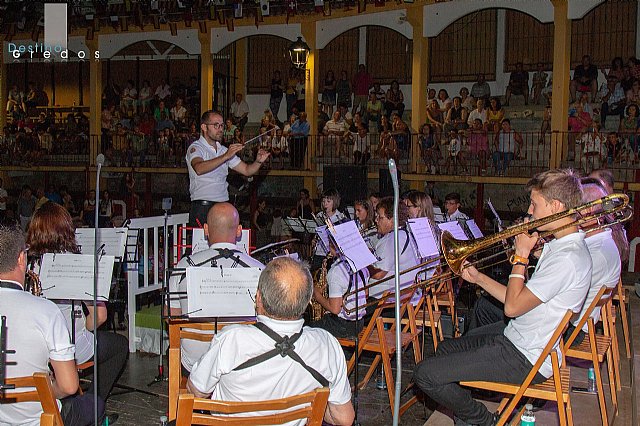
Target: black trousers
483,356
486,310
338,327
113,351
78,410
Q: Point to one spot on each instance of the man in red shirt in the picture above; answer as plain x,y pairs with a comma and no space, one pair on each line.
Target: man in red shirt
362,82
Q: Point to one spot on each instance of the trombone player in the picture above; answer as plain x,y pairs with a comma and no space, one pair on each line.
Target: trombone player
507,352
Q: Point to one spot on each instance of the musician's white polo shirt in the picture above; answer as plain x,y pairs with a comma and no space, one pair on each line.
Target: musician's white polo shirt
192,350
211,186
278,377
606,269
37,331
457,215
561,281
338,280
408,259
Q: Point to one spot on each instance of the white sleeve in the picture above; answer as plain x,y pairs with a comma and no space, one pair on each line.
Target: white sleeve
58,337
233,161
194,151
339,386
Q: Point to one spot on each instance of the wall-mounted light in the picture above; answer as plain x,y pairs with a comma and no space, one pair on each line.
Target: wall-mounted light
299,53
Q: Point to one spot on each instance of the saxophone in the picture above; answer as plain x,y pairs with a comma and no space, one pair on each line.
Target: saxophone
32,283
320,281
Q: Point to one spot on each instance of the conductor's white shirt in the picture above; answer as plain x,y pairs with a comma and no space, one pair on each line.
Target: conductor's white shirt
211,186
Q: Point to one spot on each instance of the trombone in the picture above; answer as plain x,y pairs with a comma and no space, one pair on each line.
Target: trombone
591,217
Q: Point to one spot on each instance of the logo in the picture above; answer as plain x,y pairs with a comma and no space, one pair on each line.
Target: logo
54,47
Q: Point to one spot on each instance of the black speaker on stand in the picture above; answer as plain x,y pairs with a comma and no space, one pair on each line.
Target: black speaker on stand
385,186
350,181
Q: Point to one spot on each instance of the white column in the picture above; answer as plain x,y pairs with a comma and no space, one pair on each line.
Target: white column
501,77
362,46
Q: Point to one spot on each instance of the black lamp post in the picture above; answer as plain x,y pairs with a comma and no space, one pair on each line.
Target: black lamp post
299,52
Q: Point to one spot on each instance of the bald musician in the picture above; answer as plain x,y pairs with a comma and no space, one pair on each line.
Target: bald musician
222,231
233,369
507,353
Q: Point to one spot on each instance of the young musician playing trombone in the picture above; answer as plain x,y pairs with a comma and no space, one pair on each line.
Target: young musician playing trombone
507,353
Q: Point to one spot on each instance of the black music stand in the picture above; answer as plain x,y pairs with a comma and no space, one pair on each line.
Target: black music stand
3,353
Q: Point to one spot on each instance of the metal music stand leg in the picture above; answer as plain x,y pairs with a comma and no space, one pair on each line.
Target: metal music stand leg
161,377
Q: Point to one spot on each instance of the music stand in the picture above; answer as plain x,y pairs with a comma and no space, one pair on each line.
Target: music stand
3,352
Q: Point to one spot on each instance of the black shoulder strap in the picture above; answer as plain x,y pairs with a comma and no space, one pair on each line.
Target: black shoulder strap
283,347
225,253
406,241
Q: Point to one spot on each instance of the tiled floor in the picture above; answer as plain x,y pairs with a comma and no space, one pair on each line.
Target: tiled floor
137,408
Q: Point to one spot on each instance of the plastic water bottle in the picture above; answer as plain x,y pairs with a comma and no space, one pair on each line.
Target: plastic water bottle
164,421
528,418
591,380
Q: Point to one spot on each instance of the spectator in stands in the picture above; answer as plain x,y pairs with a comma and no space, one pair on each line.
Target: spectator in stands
429,148
361,143
164,122
145,96
633,94
343,90
105,211
593,143
229,130
163,91
179,115
585,79
539,82
14,99
26,206
616,69
42,99
431,96
394,99
400,132
129,96
546,122
518,84
276,93
279,148
240,111
435,118
456,116
161,108
614,148
495,114
335,131
387,147
41,199
629,128
362,82
613,98
30,101
300,90
466,100
627,79
298,142
374,110
290,92
53,195
479,112
507,146
481,89
634,67
444,101
380,94
478,142
455,154
579,121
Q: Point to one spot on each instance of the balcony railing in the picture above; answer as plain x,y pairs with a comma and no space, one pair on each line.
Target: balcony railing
522,158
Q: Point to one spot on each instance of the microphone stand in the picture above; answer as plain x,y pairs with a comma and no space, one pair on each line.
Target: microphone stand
396,200
96,261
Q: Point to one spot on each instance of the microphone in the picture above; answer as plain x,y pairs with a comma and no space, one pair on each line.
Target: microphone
100,160
393,170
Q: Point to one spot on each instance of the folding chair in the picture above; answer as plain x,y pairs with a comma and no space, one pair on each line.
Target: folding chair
594,348
427,314
622,297
444,295
374,338
555,388
43,394
178,330
315,403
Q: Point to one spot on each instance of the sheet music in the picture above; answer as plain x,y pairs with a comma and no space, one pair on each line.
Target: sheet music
114,240
423,235
352,245
474,228
221,292
294,223
323,233
199,242
455,229
70,276
439,216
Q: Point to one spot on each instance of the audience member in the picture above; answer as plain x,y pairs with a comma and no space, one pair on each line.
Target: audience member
585,79
343,90
539,82
518,84
362,82
240,111
163,91
394,99
480,89
507,146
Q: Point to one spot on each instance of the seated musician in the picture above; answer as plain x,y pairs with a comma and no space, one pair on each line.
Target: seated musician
507,353
51,231
222,230
232,369
37,332
384,249
337,320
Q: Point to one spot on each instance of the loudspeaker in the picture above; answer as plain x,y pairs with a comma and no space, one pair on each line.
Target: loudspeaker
350,181
385,186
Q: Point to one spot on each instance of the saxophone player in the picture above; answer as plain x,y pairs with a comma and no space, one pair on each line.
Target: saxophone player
339,282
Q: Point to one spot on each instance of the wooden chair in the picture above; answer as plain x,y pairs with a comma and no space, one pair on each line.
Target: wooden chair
444,296
43,394
81,368
374,338
315,403
427,314
609,326
178,330
555,388
595,348
621,295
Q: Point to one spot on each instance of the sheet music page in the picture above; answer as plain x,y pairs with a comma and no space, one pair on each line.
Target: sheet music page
352,245
323,233
455,229
70,276
423,235
310,225
114,240
474,228
294,224
199,242
221,292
